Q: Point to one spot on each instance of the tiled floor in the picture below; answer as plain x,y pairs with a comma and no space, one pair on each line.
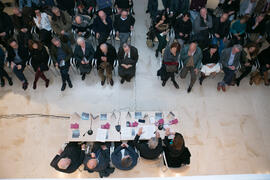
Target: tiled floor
227,133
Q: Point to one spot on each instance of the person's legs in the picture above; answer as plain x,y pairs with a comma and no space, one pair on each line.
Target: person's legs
123,38
101,75
229,74
173,80
109,74
37,75
193,77
244,74
183,73
3,74
162,42
20,76
202,78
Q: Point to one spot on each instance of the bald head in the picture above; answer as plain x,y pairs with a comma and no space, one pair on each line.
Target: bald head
92,163
64,163
78,19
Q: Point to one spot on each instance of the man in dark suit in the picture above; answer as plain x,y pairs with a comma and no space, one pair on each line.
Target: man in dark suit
18,55
149,149
69,159
124,157
128,57
105,55
229,59
99,160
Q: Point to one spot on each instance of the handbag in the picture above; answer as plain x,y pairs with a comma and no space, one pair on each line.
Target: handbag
171,68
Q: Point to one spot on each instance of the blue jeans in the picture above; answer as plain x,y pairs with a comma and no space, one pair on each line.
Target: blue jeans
228,77
221,43
19,73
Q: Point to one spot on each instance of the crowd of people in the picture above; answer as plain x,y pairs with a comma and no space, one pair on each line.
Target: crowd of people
39,32
233,37
98,158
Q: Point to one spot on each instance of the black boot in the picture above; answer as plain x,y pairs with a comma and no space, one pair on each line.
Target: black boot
189,89
70,84
201,79
2,82
10,82
175,85
63,86
122,81
163,83
237,81
111,82
25,85
83,77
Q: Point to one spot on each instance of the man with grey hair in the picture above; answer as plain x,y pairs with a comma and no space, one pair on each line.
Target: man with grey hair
84,54
105,55
230,60
150,149
128,57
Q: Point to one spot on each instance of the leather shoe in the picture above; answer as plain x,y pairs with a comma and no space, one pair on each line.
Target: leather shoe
122,81
47,83
175,85
63,87
223,88
163,83
218,87
189,89
25,85
111,82
70,84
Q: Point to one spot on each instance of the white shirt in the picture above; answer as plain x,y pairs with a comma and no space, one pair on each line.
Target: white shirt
44,23
123,153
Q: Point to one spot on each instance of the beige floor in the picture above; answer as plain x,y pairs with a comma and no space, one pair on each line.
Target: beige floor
227,133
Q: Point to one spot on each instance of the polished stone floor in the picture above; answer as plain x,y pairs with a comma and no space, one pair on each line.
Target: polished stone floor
227,133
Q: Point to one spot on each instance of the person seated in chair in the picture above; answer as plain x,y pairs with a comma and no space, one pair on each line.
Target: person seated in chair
248,60
150,149
124,24
191,57
176,153
69,159
256,27
61,54
170,64
18,55
124,157
183,28
210,62
127,57
105,55
98,160
81,26
61,24
264,60
202,27
102,26
84,54
238,30
85,7
230,61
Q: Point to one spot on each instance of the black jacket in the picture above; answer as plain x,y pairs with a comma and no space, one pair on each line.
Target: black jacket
6,24
263,57
176,158
39,59
103,160
72,151
259,29
123,26
111,55
207,59
145,151
183,27
221,28
99,26
123,4
2,58
22,52
89,52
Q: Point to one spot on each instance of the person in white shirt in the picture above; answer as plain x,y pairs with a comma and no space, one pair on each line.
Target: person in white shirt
43,25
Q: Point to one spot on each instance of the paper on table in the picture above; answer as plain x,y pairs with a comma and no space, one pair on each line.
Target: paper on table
126,133
152,120
148,131
102,135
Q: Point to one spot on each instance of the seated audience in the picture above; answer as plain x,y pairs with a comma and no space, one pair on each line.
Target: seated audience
43,25
99,160
69,159
202,27
81,26
105,55
230,60
84,54
61,24
183,28
231,7
220,31
247,7
18,55
102,26
123,25
39,61
210,62
247,60
176,153
3,72
238,30
22,26
264,60
170,64
105,5
124,157
162,29
127,57
150,149
61,54
191,57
